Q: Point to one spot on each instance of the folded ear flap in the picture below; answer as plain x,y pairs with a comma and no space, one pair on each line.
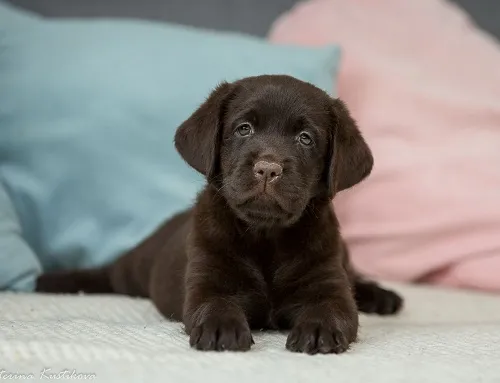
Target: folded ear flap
351,159
198,138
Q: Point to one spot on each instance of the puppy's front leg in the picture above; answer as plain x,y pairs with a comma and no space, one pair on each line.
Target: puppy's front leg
320,308
217,295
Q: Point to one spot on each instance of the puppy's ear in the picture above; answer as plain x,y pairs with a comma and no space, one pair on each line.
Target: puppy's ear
198,138
351,159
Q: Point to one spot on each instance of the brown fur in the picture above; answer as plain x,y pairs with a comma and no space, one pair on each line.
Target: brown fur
257,250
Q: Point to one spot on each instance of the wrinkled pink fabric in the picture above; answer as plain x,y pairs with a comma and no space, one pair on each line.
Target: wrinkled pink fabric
424,84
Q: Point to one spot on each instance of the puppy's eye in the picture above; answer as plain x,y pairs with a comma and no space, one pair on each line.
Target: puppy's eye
305,139
244,129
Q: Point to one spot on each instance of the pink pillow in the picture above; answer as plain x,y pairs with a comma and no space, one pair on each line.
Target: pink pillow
424,84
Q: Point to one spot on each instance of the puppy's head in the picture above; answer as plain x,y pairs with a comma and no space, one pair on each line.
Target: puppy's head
270,144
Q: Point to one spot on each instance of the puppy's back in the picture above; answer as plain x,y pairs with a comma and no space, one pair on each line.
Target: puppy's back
131,274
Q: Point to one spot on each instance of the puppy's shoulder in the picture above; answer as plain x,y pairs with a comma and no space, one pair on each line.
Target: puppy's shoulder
318,227
211,219
320,217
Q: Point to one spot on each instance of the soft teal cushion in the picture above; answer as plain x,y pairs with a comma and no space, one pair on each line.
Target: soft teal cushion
19,265
88,111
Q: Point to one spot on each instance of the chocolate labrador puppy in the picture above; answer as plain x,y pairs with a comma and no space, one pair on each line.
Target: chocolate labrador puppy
261,247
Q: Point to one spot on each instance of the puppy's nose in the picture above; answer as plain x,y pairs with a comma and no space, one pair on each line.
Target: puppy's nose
269,171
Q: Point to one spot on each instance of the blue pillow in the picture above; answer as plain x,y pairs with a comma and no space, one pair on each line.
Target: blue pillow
88,111
20,265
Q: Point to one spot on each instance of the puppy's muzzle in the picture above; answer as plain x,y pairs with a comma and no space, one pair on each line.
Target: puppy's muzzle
267,172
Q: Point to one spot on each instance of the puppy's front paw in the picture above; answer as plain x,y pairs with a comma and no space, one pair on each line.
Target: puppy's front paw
373,299
317,338
219,334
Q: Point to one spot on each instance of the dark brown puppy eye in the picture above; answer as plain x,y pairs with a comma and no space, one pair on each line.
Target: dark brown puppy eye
305,139
244,130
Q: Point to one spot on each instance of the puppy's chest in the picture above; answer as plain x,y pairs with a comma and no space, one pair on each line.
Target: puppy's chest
265,258
266,265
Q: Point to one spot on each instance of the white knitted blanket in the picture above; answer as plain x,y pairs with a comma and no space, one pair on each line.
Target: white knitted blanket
441,337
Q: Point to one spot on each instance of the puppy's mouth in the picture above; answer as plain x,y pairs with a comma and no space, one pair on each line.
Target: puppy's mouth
264,210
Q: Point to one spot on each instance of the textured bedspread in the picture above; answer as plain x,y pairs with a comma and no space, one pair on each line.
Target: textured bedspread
442,336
